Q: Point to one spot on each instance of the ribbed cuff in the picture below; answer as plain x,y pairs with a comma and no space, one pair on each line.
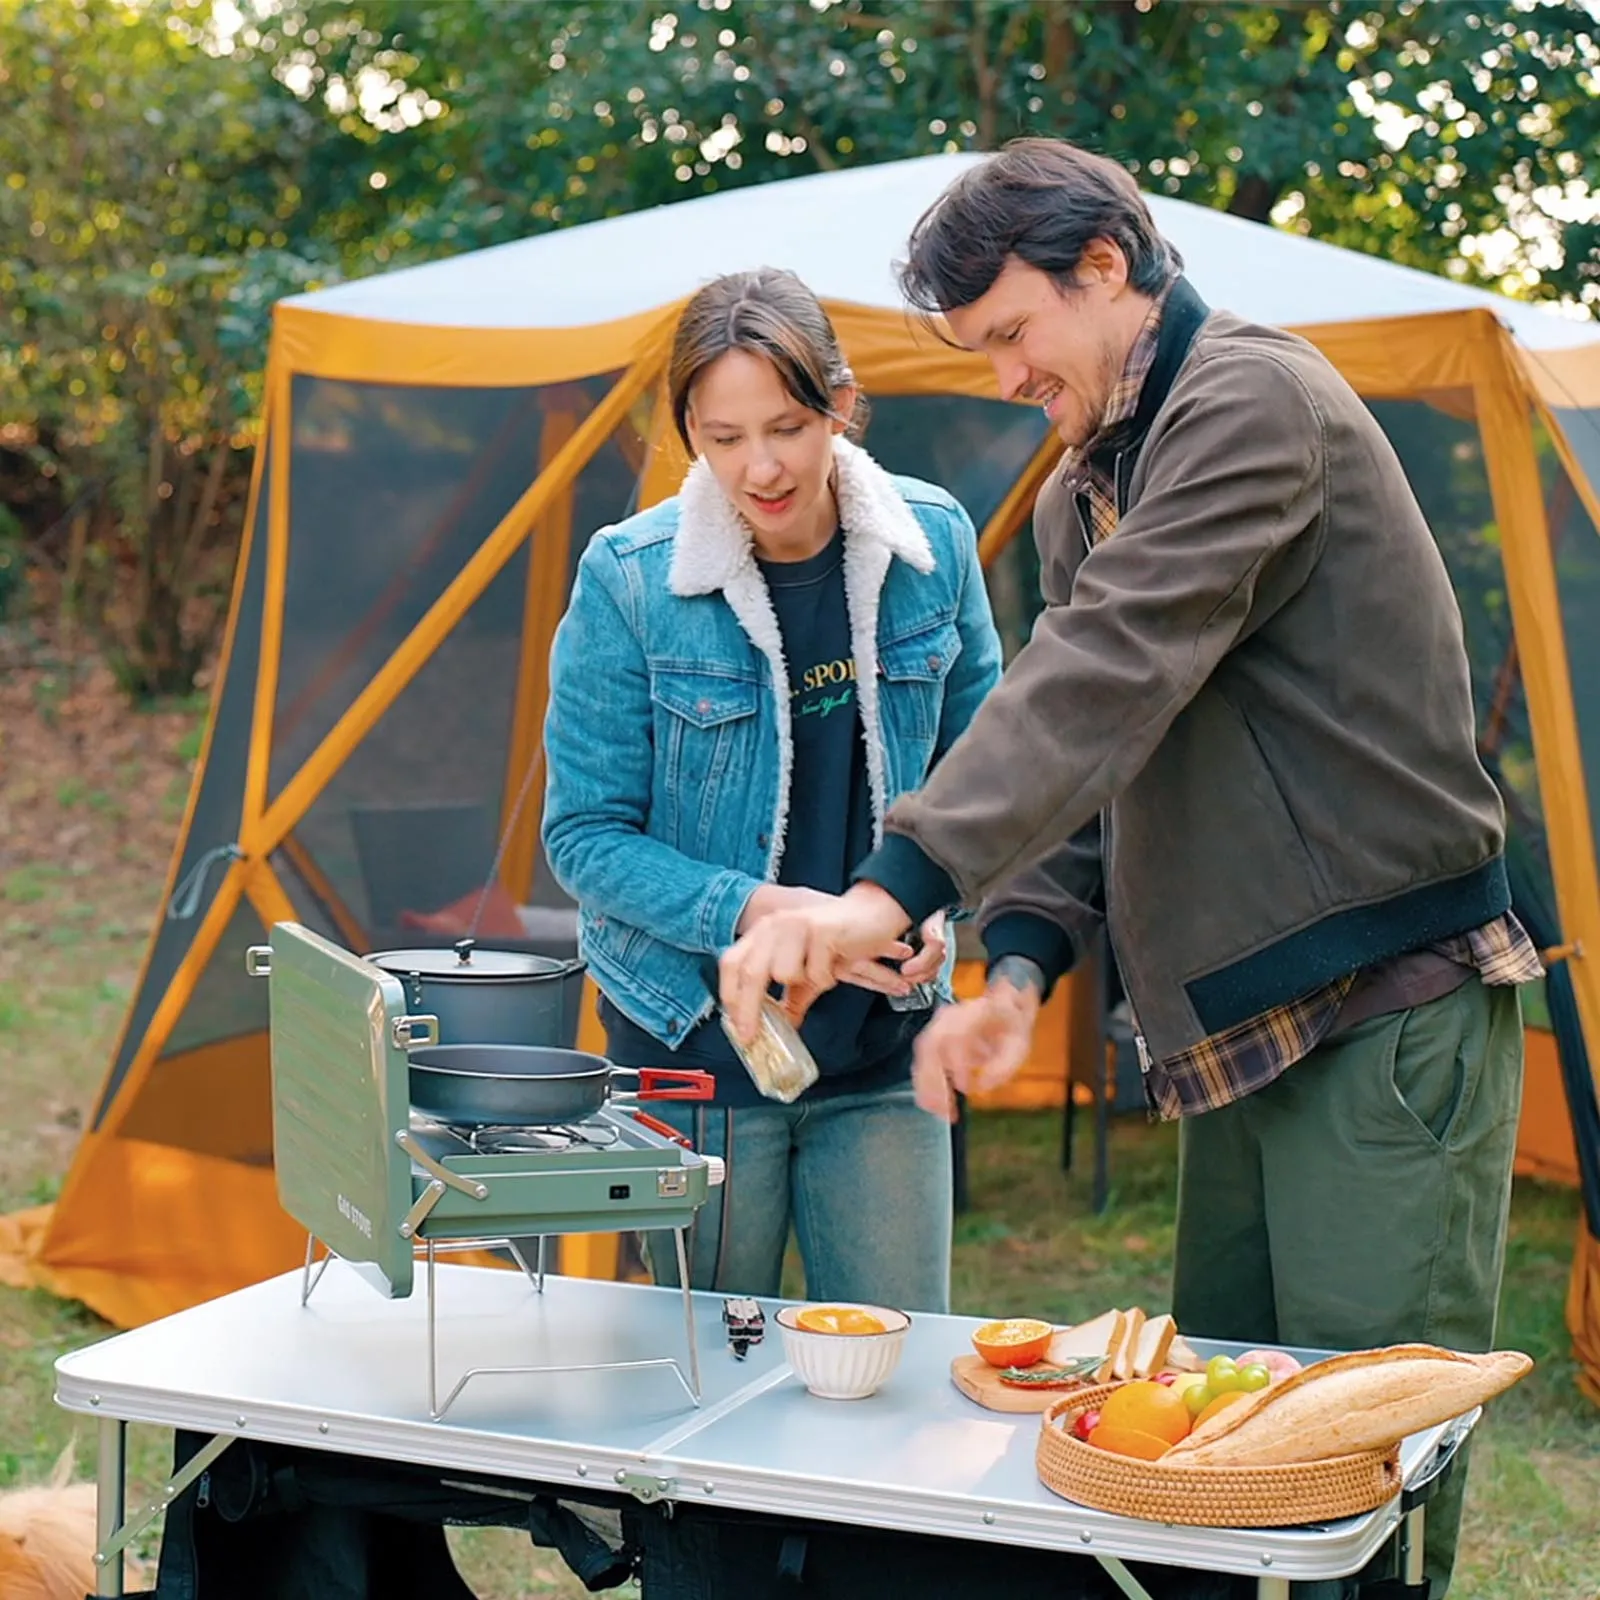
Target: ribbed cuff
1041,941
916,881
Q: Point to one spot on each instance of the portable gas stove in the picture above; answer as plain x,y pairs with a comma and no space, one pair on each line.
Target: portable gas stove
377,1185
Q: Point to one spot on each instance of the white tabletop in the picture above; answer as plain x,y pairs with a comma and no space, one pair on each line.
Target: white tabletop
348,1373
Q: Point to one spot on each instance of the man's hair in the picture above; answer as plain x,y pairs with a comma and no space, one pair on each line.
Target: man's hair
1043,201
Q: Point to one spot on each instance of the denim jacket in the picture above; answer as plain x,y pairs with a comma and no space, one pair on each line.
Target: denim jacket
667,739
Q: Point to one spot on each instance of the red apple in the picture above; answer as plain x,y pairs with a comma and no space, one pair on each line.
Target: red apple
1087,1422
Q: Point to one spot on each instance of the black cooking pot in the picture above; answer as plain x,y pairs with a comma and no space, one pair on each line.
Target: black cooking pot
518,1086
490,996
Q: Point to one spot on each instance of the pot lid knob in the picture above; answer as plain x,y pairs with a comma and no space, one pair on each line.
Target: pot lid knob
463,949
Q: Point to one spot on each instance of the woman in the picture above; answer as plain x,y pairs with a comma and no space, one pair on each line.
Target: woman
748,674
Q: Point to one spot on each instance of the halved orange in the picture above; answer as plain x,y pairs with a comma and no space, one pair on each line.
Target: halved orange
1128,1442
1014,1342
838,1319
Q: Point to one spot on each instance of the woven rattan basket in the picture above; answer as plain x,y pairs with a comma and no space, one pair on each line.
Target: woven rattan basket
1207,1497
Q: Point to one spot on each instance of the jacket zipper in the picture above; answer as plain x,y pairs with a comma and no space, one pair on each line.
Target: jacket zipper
1119,483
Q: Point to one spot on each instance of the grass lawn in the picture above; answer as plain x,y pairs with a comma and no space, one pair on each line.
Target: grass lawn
75,898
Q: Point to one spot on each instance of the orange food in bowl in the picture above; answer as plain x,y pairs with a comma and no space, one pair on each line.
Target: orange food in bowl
1146,1407
1015,1342
838,1319
1221,1403
1128,1442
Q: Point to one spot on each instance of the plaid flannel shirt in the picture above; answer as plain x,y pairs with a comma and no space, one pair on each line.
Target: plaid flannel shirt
1236,1062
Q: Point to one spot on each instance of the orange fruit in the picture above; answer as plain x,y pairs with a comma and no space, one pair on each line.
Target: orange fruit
1128,1442
837,1319
1015,1342
1147,1407
1221,1403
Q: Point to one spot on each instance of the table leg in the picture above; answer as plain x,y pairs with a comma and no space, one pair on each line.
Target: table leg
1123,1579
109,1504
1411,1543
1272,1589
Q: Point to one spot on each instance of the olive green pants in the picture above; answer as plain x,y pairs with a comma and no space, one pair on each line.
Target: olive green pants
1361,1199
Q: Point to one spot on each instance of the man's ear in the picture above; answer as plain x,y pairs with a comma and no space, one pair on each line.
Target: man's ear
1102,264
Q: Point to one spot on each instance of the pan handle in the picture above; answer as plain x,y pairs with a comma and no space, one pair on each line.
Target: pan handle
666,1130
671,1083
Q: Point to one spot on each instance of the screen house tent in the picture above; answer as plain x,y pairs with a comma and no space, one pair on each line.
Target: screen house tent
439,442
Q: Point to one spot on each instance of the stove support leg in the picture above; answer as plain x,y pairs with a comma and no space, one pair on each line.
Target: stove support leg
308,1281
433,1347
111,1487
535,1273
678,1235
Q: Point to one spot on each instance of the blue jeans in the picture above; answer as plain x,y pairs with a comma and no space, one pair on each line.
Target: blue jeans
864,1178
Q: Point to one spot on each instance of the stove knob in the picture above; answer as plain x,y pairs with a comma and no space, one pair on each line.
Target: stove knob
716,1169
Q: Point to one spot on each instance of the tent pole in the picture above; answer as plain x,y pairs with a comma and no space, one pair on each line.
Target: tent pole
544,598
260,756
1505,427
262,833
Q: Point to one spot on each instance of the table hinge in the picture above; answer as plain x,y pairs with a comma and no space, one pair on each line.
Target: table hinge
647,1487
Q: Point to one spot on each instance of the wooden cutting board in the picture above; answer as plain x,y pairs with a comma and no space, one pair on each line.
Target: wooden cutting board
980,1382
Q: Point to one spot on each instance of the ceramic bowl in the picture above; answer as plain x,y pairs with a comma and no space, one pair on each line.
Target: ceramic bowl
844,1366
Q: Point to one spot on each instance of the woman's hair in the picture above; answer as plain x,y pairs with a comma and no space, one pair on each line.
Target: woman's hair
772,314
1043,201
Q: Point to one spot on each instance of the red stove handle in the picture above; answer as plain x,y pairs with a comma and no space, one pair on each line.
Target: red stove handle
656,1125
695,1085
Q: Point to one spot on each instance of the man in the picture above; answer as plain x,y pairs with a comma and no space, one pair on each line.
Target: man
1248,697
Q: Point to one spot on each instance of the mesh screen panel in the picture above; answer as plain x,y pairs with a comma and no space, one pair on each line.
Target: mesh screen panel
391,490
217,808
410,823
974,448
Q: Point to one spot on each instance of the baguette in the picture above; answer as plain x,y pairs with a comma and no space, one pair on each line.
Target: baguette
1366,1400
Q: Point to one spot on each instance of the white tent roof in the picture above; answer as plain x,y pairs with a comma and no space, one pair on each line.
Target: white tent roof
843,231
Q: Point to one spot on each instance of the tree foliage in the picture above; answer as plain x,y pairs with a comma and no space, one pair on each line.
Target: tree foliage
170,167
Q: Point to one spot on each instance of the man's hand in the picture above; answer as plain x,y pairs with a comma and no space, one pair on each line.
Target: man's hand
808,948
975,1046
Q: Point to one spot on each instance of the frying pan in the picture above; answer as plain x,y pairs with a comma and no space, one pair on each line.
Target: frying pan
524,1085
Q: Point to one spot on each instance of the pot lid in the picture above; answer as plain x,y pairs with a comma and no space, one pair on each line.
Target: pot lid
468,961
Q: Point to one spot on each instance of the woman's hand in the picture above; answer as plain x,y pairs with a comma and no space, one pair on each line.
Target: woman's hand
873,973
928,962
771,898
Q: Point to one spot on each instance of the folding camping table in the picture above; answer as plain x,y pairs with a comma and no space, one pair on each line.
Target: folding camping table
347,1373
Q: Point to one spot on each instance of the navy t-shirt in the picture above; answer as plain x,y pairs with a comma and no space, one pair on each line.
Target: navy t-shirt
859,1041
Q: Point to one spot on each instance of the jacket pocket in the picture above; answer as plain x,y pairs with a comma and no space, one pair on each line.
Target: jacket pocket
912,670
704,728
